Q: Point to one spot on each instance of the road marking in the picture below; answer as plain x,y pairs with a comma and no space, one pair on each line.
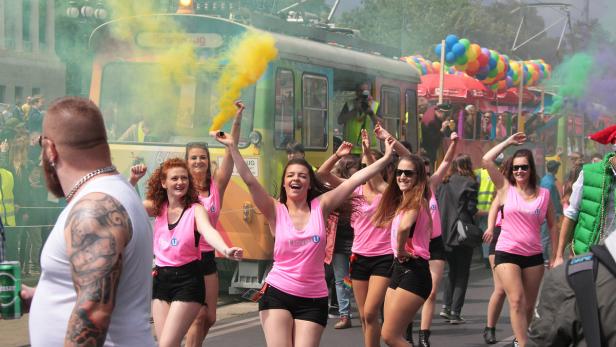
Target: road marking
228,328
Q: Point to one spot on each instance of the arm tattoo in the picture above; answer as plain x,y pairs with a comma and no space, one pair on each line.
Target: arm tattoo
98,228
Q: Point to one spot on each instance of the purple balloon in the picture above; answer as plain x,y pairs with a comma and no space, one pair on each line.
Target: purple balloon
509,81
485,52
484,70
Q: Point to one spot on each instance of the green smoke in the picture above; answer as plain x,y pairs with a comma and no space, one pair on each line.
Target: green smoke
571,79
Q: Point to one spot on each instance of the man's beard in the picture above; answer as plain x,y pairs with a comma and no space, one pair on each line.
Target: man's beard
51,178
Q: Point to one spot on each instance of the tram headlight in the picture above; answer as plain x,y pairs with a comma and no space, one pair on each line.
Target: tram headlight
255,138
185,3
185,7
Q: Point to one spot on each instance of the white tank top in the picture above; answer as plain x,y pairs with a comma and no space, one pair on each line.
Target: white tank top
55,295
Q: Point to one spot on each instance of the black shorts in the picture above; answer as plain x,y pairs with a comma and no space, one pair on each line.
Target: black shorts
522,261
413,276
181,283
495,235
208,263
437,248
362,268
308,309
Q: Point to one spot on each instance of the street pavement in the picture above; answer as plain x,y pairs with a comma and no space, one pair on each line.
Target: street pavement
238,323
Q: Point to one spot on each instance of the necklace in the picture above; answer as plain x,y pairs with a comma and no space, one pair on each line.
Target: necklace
86,178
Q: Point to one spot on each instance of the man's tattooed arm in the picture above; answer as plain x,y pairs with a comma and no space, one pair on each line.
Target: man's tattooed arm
96,232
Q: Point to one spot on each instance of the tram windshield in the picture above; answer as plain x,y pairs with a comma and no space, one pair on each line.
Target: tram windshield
139,106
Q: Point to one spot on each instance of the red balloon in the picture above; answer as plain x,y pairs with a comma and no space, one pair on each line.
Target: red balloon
483,59
472,67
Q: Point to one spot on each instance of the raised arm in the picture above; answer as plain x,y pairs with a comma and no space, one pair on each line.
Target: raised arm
97,230
136,173
382,134
212,236
334,198
325,171
223,174
264,202
377,182
488,159
438,175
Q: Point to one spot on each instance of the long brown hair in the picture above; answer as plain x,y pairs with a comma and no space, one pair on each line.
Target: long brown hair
461,165
158,195
394,201
532,174
316,187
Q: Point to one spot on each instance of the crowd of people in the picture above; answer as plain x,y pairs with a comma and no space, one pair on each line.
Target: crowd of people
388,222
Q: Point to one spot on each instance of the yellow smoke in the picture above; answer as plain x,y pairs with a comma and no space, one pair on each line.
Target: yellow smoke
247,61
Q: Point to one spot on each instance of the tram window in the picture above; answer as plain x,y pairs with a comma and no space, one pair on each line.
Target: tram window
411,117
285,109
158,110
390,109
314,101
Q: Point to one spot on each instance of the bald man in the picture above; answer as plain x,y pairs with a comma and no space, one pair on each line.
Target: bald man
95,284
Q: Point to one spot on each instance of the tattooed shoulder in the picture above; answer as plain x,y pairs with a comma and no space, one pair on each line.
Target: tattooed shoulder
97,230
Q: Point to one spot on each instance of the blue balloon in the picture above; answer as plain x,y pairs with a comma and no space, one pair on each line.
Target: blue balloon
481,76
437,49
484,70
458,49
450,40
493,63
510,72
450,58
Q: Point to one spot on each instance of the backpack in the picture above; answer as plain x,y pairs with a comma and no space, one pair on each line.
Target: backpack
581,276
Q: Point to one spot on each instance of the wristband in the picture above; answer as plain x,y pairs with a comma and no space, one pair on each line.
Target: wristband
336,154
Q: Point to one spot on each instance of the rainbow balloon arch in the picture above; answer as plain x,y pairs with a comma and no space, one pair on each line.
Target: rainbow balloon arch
495,70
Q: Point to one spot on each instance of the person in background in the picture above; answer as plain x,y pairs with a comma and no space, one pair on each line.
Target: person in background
7,208
138,132
470,119
295,150
593,194
293,306
435,130
596,157
405,209
572,176
549,182
486,126
484,198
519,253
457,200
501,127
35,116
357,114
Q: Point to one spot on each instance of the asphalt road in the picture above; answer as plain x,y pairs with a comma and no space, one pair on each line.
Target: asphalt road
245,330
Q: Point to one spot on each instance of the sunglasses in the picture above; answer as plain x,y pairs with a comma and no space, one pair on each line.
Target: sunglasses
521,167
407,173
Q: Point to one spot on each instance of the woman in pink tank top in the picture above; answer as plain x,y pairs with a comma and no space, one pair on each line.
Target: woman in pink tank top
518,256
405,207
372,256
211,189
178,288
293,308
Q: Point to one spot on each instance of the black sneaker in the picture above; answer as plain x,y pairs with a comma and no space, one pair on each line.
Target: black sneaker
456,319
445,313
515,343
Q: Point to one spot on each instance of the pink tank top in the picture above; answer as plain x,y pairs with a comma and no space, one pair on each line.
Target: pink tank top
420,242
521,227
212,206
175,247
369,240
299,254
435,213
499,219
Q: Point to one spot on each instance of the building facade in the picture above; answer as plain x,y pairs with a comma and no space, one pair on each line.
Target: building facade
29,64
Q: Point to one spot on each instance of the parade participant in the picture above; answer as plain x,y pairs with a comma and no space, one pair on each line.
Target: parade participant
593,192
95,284
293,309
437,247
497,298
360,113
519,253
457,199
405,206
372,255
179,290
211,189
432,133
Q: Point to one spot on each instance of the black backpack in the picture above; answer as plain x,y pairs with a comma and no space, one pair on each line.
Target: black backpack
581,275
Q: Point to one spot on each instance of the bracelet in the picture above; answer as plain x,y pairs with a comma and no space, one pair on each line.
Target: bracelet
336,154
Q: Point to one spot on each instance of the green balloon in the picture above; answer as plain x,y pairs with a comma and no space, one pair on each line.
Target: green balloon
465,42
493,73
462,60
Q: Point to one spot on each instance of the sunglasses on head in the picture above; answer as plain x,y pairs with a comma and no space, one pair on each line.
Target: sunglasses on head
521,167
407,173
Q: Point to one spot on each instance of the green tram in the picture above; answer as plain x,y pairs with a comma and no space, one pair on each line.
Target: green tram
298,99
